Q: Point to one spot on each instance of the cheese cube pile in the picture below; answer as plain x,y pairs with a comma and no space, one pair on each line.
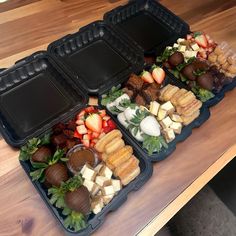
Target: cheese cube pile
170,121
100,184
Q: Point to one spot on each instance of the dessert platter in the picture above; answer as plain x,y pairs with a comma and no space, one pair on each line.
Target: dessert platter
85,160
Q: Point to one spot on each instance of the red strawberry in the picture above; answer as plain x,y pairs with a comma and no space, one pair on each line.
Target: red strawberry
158,74
80,116
90,131
102,113
201,40
111,124
107,129
106,118
77,135
104,123
95,135
146,76
94,122
81,129
79,122
90,109
86,142
87,136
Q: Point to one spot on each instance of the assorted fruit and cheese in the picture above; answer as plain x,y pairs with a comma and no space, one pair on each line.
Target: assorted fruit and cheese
83,163
154,114
200,63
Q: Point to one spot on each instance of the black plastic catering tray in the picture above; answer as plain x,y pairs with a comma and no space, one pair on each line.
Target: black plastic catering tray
148,23
95,221
34,95
97,57
186,131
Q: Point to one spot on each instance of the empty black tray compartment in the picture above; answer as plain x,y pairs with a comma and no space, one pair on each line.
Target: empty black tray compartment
148,23
34,95
94,221
97,57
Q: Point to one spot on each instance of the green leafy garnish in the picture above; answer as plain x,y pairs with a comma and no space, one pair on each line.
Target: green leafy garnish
139,116
153,144
37,174
166,54
75,220
58,155
199,72
32,146
127,103
114,110
182,77
112,95
203,94
57,196
195,34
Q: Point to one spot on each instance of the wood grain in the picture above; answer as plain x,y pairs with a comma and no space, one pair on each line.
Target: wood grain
32,26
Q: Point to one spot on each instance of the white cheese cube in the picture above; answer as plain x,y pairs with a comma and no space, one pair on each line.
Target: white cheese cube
97,205
175,45
180,40
177,127
101,180
176,118
88,173
182,48
169,134
95,190
167,106
83,169
161,114
98,167
169,48
154,107
165,123
194,46
106,172
189,54
107,198
116,185
108,190
89,185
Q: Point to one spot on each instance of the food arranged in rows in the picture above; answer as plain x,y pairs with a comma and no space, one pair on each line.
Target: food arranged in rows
83,164
152,112
200,63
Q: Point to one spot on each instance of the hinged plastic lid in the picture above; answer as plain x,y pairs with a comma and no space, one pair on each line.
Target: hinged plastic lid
35,94
97,57
149,24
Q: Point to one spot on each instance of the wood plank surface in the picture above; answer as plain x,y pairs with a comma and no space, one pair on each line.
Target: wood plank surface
32,26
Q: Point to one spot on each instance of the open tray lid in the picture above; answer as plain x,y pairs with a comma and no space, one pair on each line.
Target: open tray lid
97,57
35,94
149,24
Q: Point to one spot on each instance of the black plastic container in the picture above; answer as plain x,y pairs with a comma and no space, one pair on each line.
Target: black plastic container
149,24
97,57
95,221
35,94
186,131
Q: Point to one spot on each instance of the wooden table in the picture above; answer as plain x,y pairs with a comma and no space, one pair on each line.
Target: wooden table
29,25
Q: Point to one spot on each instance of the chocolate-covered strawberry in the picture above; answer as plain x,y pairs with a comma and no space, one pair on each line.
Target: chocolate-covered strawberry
188,72
205,81
35,149
74,200
176,58
42,154
56,174
78,200
53,172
